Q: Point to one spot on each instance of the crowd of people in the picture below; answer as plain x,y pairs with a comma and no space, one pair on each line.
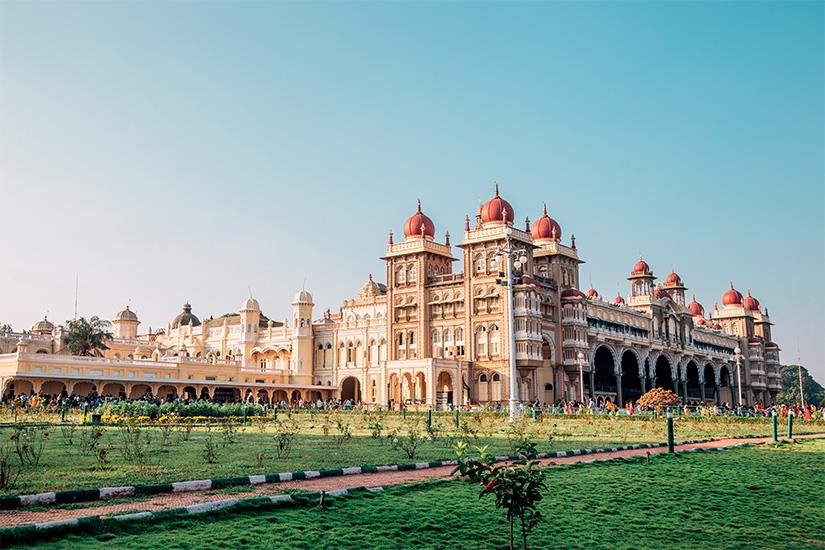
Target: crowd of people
692,408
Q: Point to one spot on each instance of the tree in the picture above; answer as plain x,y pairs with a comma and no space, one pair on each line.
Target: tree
88,337
814,393
5,327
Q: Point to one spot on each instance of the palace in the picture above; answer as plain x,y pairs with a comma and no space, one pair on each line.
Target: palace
438,333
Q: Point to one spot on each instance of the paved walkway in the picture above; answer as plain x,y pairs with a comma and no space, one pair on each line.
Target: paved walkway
10,518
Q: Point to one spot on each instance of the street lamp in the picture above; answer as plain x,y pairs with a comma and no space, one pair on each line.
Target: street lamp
738,353
515,259
580,357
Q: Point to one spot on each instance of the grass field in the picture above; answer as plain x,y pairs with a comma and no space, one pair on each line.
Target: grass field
754,497
64,466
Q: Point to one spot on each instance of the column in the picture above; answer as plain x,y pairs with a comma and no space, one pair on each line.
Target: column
619,399
717,394
592,376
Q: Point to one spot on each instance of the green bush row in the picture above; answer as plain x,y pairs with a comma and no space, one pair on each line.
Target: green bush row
198,408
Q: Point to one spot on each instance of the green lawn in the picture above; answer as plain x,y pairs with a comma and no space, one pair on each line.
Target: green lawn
755,497
65,466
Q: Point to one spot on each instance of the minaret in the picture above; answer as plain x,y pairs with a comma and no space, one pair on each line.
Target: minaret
125,324
250,317
301,359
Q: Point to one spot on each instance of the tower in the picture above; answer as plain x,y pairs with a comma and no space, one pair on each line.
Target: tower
250,317
641,279
125,324
301,358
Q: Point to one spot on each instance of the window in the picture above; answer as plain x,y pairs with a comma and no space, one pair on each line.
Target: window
494,340
413,273
480,267
401,275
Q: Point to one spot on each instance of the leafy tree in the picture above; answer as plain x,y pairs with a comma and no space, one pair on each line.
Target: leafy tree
88,337
814,393
5,327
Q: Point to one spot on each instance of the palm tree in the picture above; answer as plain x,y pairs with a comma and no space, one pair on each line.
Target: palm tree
88,337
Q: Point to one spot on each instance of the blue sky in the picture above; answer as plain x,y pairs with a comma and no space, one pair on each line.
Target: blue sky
174,151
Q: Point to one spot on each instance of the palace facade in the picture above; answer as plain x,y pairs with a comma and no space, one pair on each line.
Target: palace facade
437,333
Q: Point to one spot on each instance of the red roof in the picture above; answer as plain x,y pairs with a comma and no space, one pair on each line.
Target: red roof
546,228
412,227
497,209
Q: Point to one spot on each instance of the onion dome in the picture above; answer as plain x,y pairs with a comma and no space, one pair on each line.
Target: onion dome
43,327
771,345
701,322
250,304
755,340
641,268
496,210
186,317
573,293
717,326
673,279
618,300
546,228
592,293
126,315
732,297
696,308
658,293
413,225
750,303
302,297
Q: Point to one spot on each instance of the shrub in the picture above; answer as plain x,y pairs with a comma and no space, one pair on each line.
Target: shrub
658,397
9,472
285,432
343,431
211,449
407,442
29,442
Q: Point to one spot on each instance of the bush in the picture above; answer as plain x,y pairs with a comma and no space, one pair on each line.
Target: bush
198,408
659,397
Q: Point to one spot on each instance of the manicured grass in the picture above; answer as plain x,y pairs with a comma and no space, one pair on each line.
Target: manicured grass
67,467
755,497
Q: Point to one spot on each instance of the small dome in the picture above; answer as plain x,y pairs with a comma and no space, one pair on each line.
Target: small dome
673,279
126,315
546,228
302,297
658,293
43,327
696,308
186,317
250,304
618,300
372,289
497,209
732,297
717,326
771,345
413,225
592,293
573,293
750,303
701,322
641,268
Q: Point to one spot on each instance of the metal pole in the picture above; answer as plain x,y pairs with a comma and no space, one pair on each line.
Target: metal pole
670,448
774,434
739,376
801,392
581,379
512,318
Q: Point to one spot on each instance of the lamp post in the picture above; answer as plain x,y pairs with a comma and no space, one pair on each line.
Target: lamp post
580,358
515,259
738,353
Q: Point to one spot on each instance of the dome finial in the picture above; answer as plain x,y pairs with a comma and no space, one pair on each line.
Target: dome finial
370,277
545,210
389,240
419,206
467,222
527,223
496,189
447,238
573,241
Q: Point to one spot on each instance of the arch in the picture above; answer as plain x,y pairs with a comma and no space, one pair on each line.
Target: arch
262,396
420,387
692,381
726,384
295,396
663,373
114,389
351,389
394,389
53,387
189,392
139,391
444,389
279,396
83,388
204,394
604,371
495,387
167,392
226,395
19,387
632,388
315,396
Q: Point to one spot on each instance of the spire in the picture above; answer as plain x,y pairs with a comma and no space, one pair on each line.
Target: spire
389,241
527,223
497,189
419,206
447,238
467,222
370,277
545,210
573,242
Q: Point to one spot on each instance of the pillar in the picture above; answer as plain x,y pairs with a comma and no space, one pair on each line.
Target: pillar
702,389
592,377
717,394
619,399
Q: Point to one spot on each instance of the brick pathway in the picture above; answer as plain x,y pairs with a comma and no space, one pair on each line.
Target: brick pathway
10,518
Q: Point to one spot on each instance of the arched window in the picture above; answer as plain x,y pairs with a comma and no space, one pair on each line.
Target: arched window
495,389
480,263
401,275
481,342
495,341
413,276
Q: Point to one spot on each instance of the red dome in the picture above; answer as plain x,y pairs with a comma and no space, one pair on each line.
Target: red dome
618,300
673,279
717,326
658,293
641,268
696,308
750,303
732,297
701,322
497,209
412,227
592,293
572,293
546,228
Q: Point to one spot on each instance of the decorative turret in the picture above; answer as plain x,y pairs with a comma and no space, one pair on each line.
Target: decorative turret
125,324
641,279
301,359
